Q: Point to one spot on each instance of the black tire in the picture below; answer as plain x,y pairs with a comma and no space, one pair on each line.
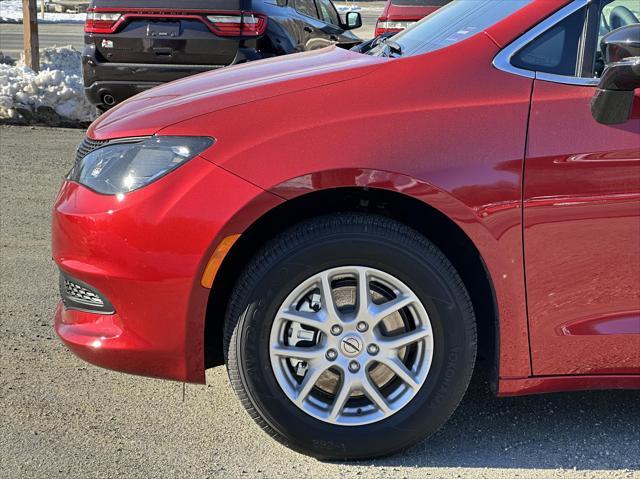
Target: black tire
339,240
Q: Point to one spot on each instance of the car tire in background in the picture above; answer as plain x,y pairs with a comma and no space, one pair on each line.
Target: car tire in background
337,377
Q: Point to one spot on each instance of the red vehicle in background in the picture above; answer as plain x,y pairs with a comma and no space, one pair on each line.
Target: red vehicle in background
401,14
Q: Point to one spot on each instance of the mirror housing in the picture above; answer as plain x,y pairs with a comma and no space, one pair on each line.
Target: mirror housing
613,101
353,21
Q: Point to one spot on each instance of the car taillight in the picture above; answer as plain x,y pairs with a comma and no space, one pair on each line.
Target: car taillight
388,26
101,22
243,25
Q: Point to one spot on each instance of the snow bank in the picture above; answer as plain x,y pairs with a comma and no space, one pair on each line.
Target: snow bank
53,96
349,8
11,12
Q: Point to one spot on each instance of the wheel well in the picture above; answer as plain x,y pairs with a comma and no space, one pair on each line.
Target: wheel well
439,229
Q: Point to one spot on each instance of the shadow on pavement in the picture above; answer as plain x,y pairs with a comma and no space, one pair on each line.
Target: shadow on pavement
579,430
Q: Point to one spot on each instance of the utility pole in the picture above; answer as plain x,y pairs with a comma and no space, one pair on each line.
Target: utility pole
43,7
30,34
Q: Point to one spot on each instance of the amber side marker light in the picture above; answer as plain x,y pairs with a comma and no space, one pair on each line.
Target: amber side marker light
216,260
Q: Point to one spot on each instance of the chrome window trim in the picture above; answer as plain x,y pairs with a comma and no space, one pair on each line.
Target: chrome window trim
583,43
502,61
567,80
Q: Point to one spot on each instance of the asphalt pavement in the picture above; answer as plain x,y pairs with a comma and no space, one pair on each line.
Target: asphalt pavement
63,418
50,34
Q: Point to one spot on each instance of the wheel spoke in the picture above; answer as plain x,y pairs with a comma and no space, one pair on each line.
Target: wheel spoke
382,311
310,380
312,320
403,340
364,295
318,344
298,353
376,397
341,400
401,371
328,302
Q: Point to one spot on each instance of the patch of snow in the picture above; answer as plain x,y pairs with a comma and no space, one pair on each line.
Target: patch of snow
349,8
67,59
11,12
55,95
344,7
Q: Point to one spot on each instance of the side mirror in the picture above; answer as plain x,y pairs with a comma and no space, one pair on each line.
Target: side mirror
613,101
353,21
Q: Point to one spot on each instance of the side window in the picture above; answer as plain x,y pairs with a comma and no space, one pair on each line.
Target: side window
555,51
306,7
328,13
619,13
612,14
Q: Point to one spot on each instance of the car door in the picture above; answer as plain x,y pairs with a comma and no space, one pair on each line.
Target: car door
332,29
311,26
581,206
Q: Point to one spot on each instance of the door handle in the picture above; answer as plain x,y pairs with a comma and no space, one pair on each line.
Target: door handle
308,29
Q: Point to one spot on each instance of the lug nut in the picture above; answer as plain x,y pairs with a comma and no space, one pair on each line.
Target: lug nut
373,349
332,354
362,326
354,366
336,330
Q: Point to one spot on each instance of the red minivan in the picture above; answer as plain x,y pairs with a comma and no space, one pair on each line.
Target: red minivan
353,234
400,14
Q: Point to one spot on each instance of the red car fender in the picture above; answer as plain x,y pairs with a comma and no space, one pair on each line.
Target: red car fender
513,333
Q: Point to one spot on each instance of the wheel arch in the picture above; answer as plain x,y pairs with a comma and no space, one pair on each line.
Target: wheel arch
400,198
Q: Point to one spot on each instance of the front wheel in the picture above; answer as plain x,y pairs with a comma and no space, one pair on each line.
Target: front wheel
350,336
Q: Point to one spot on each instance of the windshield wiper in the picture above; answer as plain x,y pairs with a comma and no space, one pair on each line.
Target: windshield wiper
394,47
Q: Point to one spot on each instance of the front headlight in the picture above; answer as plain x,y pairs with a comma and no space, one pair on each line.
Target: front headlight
122,166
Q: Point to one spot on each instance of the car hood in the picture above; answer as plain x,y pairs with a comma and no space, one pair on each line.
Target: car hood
155,109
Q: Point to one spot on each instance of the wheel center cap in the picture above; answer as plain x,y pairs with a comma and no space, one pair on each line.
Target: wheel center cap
351,346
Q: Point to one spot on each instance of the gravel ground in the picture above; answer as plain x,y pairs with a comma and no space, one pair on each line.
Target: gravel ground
64,418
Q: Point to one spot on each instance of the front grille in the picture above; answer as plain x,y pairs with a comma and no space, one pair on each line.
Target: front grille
78,295
87,146
81,294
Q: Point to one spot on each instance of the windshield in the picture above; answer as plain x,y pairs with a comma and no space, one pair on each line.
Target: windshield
451,24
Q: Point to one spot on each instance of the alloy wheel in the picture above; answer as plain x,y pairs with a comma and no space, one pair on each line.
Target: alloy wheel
351,345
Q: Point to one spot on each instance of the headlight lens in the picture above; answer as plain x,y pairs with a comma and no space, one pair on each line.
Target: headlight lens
124,166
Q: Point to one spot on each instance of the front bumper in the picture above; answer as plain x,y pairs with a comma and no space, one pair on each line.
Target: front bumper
145,253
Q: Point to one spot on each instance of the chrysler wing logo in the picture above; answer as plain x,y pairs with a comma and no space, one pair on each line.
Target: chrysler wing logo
351,346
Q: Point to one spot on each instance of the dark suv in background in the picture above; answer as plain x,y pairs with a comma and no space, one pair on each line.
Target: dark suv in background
134,45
